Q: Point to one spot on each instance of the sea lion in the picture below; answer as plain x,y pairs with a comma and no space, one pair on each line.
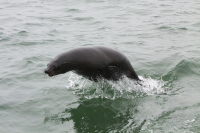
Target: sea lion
92,62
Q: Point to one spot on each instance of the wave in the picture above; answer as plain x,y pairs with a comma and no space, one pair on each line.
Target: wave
186,67
129,89
124,88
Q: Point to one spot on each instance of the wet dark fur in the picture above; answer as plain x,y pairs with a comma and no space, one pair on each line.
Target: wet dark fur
92,63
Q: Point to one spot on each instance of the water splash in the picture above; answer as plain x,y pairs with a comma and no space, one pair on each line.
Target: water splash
125,88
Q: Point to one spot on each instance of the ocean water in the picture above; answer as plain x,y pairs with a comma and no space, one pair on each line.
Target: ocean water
161,38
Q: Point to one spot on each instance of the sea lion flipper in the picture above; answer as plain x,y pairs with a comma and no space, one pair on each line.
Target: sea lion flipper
115,72
112,67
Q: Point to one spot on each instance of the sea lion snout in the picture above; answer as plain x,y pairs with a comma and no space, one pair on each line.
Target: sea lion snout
46,71
49,72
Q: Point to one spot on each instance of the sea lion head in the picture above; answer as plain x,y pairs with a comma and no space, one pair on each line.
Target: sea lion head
58,65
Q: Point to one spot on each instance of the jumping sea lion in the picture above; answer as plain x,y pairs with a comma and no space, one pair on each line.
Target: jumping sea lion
92,62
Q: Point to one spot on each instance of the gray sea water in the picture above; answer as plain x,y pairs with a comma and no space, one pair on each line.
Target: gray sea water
161,38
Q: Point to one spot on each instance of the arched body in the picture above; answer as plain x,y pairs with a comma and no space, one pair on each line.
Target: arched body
92,63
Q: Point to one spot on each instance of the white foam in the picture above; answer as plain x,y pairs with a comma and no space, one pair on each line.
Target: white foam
152,86
125,88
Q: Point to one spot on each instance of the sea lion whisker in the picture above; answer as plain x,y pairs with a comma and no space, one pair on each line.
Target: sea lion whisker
45,75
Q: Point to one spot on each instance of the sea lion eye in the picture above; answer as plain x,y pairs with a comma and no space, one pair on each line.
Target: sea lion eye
56,67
